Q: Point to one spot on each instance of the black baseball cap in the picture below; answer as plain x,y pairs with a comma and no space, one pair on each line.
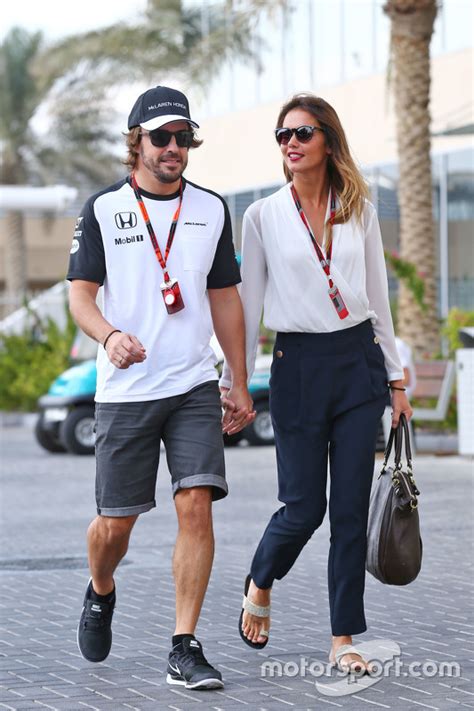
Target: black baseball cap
158,106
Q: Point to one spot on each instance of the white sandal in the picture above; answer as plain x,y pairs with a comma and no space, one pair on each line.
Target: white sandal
258,611
351,667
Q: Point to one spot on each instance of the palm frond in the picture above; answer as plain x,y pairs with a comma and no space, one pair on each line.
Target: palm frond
72,79
166,38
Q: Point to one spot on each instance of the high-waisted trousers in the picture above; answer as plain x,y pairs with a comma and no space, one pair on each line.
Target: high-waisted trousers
327,395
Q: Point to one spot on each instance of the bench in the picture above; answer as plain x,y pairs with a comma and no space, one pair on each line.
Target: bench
434,379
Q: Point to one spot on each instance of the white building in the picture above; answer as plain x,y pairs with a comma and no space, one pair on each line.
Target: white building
339,50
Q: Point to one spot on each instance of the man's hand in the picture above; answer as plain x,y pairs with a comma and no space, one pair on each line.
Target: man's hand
124,350
238,409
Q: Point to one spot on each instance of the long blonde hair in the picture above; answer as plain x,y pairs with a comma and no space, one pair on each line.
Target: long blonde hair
344,176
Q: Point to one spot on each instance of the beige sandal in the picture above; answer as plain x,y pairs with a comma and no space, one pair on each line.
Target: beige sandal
350,668
253,609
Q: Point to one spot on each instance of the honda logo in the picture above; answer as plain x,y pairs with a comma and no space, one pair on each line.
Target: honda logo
125,220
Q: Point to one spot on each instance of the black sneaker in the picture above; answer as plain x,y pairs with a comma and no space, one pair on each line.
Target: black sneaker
94,633
187,666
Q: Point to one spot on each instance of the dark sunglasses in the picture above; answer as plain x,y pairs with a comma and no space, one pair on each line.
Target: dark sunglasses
303,134
161,138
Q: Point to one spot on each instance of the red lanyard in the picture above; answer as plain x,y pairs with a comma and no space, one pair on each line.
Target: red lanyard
325,263
334,293
150,229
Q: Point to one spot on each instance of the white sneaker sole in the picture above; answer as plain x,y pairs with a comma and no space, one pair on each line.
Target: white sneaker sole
201,684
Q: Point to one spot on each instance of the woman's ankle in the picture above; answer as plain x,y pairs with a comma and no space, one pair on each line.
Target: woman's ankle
339,640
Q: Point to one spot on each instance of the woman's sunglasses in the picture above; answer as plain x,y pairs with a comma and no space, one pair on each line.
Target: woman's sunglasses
303,134
161,138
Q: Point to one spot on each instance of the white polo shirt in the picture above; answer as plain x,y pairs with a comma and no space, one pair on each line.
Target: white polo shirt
111,246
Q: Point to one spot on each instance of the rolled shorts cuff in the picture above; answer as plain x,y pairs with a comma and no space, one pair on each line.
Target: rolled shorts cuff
126,510
218,483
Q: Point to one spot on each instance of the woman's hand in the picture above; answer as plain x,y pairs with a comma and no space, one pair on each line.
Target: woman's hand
400,404
238,409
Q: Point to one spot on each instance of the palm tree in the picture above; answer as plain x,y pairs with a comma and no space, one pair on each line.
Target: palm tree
75,147
19,98
411,30
72,78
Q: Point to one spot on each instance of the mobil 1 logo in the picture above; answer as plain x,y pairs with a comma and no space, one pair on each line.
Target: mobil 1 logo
133,239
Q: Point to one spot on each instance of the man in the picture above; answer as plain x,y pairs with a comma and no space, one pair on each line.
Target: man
162,248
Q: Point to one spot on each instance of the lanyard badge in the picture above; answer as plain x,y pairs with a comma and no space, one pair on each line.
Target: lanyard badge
169,288
333,291
338,302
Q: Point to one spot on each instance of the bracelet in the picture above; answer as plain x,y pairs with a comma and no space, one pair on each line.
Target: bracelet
392,387
116,330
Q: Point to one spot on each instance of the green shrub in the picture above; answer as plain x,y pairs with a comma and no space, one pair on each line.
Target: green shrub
456,319
31,361
406,271
449,424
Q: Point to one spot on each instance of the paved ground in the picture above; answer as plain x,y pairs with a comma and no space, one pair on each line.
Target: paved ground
47,502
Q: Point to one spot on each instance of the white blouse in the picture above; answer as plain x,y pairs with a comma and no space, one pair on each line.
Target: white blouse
282,273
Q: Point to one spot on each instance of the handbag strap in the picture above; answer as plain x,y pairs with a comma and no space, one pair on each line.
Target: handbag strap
398,435
398,444
388,448
403,433
406,432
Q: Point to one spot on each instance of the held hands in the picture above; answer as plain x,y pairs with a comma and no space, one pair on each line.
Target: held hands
400,404
124,350
238,409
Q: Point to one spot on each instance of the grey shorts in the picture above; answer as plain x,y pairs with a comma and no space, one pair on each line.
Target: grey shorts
128,448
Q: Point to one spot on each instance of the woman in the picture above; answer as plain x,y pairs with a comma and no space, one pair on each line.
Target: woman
312,257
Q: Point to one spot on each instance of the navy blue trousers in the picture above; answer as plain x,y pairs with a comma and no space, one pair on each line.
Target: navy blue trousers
327,395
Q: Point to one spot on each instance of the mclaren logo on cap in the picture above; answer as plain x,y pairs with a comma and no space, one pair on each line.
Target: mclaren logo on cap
125,220
167,103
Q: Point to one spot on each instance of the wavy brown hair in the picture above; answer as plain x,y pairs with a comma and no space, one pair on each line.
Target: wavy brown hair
344,176
132,141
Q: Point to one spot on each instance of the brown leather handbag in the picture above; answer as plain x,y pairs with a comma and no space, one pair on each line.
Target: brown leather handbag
394,546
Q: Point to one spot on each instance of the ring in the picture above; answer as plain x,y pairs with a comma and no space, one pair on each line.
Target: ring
121,360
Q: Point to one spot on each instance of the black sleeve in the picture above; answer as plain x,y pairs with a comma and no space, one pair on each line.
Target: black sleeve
87,258
225,270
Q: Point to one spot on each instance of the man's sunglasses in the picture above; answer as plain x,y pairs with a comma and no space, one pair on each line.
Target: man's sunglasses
161,138
303,134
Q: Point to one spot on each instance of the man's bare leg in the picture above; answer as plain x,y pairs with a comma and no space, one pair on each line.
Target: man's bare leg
193,555
107,542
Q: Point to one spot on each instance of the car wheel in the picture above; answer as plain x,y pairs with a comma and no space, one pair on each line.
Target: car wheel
48,439
260,431
77,431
